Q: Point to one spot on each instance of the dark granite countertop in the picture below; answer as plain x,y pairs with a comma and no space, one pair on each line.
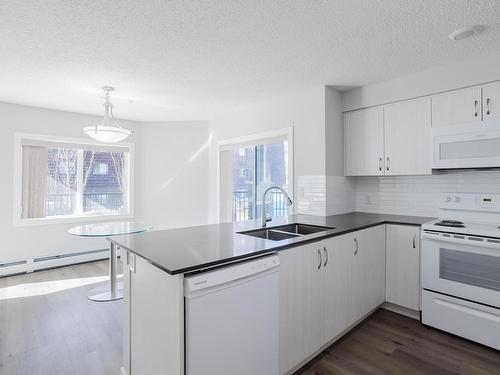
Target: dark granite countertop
189,249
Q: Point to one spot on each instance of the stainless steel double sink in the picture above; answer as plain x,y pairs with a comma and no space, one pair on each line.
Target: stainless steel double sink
284,232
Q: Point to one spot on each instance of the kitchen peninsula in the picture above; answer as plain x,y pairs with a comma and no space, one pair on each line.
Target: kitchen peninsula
350,251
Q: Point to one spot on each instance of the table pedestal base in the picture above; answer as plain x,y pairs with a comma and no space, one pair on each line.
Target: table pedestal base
113,291
104,294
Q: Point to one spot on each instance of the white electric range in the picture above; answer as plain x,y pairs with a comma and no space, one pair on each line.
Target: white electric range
461,268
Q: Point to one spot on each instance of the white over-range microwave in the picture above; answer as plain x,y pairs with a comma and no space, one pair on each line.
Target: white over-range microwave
475,145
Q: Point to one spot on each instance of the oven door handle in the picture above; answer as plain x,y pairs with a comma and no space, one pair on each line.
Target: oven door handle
483,244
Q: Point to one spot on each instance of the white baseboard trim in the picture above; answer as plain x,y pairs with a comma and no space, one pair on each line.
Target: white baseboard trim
41,263
401,310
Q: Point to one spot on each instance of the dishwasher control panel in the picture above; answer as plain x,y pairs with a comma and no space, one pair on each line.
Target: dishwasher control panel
230,273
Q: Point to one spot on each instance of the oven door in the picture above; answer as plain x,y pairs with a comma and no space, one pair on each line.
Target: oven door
463,266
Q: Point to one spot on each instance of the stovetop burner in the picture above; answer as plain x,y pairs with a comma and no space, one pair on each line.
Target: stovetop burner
451,223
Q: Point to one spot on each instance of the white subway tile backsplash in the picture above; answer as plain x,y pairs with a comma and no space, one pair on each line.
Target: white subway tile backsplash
404,195
341,195
419,195
325,195
311,197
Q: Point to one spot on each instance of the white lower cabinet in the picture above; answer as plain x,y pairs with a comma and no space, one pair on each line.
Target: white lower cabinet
403,266
301,312
368,275
338,285
325,287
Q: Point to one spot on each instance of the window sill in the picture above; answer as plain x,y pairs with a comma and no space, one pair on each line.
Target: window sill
71,219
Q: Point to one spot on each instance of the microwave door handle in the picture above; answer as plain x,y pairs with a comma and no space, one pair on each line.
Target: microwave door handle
440,238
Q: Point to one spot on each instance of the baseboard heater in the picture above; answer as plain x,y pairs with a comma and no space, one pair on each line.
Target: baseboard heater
53,261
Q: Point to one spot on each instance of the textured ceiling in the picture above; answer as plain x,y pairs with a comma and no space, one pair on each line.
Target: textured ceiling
174,60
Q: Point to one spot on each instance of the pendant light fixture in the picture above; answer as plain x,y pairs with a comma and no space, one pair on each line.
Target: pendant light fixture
109,130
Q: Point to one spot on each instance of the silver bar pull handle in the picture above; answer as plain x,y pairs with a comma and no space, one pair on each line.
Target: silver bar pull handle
415,241
357,246
326,256
476,102
488,111
380,164
388,163
320,258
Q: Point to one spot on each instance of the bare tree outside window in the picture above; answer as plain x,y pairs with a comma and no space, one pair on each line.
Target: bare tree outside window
75,186
119,165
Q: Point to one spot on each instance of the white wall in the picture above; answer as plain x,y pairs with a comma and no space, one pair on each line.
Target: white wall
430,81
20,243
172,173
340,190
304,110
164,152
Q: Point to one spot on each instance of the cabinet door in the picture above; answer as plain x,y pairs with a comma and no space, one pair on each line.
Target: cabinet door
301,304
408,137
364,142
403,266
456,107
337,284
368,271
491,101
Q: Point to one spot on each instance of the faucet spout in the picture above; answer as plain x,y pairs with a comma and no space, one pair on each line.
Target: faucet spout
264,215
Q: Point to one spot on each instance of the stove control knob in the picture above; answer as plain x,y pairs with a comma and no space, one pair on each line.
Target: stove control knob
457,199
447,199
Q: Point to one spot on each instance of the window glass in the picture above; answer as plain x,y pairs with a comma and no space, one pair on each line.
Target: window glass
103,188
100,169
272,170
63,181
243,183
254,169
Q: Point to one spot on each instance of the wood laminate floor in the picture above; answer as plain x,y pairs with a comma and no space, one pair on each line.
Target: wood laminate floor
49,327
389,343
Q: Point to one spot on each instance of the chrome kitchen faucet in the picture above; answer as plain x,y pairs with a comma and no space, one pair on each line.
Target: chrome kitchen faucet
265,219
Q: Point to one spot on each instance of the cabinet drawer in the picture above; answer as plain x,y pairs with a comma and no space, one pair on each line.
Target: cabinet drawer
463,318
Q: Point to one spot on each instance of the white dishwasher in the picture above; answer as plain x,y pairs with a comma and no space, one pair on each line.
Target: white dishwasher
232,319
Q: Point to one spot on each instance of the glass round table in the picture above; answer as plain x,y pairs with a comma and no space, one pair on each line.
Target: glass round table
113,291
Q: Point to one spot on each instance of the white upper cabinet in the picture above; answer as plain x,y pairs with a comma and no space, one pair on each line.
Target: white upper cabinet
397,139
392,139
407,137
491,101
364,142
456,107
403,266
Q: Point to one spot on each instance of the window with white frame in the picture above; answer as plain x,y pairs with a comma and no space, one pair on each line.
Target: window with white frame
64,178
248,167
